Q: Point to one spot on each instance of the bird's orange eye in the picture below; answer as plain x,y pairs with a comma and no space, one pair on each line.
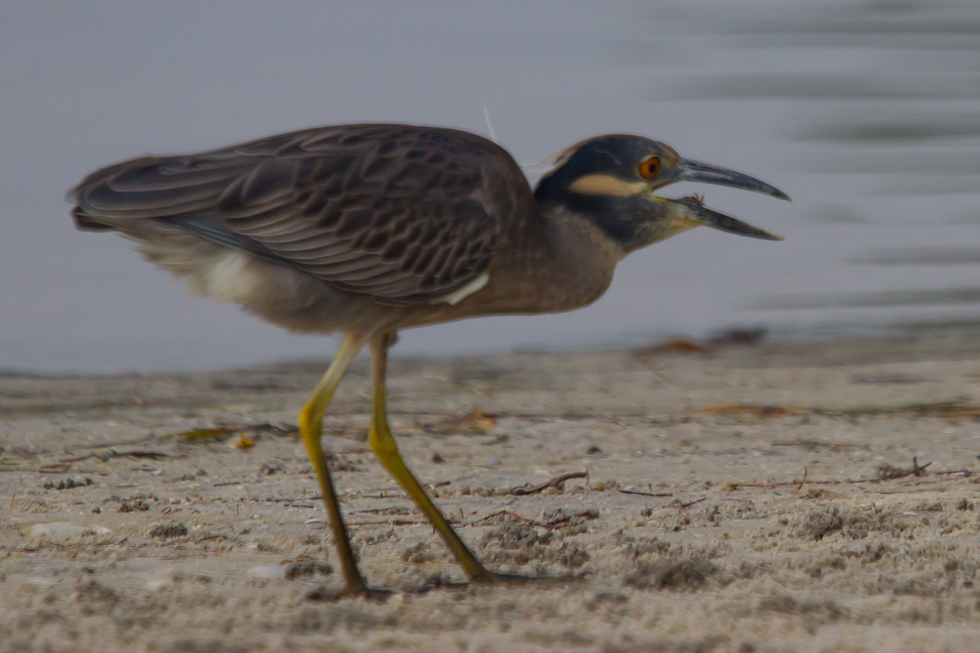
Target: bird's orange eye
650,167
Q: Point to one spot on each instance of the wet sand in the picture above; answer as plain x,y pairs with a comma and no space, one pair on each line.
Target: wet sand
773,497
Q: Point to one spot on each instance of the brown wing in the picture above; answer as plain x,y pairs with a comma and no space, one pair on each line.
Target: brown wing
404,214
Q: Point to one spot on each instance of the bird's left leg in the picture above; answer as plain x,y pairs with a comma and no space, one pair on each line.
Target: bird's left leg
386,449
311,428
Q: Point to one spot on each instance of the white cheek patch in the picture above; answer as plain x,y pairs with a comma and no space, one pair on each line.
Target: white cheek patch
459,295
606,185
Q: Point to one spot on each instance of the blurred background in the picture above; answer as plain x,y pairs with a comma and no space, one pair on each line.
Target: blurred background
867,112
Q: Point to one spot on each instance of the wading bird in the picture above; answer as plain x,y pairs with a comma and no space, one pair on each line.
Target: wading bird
369,229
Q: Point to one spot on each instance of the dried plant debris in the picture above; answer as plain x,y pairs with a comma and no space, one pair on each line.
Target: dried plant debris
221,433
557,482
554,519
166,531
205,435
725,338
888,472
244,442
816,445
729,337
306,569
138,502
134,505
473,422
68,484
751,410
885,472
678,346
106,457
951,409
568,518
889,379
361,540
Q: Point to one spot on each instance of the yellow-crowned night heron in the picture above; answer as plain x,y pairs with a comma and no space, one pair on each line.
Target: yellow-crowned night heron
368,229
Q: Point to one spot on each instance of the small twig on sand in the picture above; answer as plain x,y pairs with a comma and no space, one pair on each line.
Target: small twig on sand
69,461
555,482
551,525
814,445
647,494
691,503
106,445
887,472
378,511
288,500
774,484
803,481
154,455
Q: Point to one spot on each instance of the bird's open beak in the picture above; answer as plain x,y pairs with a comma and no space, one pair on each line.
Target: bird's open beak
692,212
687,170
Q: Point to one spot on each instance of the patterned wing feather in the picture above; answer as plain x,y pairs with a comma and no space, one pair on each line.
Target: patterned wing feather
404,214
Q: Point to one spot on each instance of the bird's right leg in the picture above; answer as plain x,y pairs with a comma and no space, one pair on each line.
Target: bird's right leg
383,445
310,430
382,442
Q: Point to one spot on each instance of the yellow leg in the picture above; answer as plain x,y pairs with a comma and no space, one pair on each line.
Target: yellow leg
310,430
386,449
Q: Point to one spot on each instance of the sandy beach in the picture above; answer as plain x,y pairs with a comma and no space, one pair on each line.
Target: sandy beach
771,497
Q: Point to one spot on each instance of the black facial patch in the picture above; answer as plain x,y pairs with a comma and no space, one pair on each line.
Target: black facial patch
616,155
624,219
618,217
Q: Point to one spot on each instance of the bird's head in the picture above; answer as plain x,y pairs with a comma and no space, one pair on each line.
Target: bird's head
612,179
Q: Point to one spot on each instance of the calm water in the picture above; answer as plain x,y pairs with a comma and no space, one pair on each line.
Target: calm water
867,113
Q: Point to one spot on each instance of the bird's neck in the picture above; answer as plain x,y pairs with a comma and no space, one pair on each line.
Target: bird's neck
570,259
